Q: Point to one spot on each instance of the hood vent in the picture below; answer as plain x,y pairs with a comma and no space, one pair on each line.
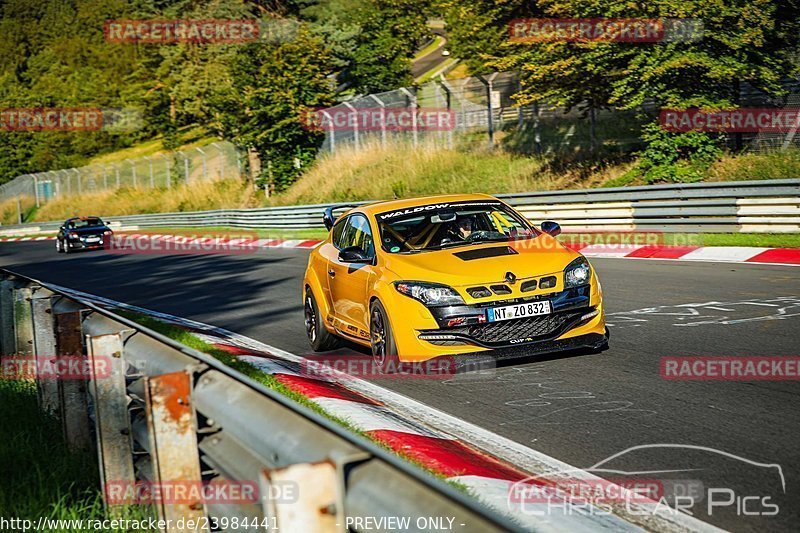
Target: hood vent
483,253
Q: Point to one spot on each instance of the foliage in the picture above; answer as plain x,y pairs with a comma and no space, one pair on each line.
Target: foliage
677,157
273,88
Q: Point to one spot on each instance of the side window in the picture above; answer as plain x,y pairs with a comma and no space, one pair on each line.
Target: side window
358,233
336,232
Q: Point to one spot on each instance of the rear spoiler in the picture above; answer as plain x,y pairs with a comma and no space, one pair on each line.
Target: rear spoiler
327,216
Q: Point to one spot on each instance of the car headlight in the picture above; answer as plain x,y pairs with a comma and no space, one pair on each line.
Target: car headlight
577,273
430,294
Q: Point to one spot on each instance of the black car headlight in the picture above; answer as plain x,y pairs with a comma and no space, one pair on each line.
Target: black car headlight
430,294
577,273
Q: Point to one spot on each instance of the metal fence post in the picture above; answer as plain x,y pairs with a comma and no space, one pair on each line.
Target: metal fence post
356,139
383,118
9,343
79,179
205,167
152,180
133,171
318,505
105,177
73,392
36,189
116,168
488,83
112,421
173,441
185,167
412,101
44,344
23,322
220,160
166,164
537,130
332,131
448,91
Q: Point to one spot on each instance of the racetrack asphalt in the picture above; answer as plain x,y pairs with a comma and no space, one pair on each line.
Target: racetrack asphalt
578,408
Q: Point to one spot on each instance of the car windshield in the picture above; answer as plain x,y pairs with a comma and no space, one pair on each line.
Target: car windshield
450,224
85,223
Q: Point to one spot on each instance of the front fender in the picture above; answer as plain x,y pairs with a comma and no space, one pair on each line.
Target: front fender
314,281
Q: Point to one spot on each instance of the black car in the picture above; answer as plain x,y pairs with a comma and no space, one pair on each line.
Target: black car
82,233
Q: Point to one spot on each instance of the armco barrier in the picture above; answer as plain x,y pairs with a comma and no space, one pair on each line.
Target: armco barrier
165,414
766,206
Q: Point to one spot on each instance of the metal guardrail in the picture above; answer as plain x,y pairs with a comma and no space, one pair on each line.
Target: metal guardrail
165,413
745,206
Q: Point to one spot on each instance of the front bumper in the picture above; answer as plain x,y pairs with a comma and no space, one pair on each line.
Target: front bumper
466,325
83,244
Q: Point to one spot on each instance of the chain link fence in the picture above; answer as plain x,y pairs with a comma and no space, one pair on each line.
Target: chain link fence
164,170
483,110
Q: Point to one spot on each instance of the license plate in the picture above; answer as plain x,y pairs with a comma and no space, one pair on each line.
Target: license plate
510,312
93,239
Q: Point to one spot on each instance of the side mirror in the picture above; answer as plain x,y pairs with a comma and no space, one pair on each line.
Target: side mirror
327,219
551,228
354,254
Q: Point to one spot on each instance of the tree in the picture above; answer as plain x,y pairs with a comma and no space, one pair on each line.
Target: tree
390,33
273,89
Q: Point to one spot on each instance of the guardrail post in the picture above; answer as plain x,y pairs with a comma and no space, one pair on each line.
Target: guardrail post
318,506
23,322
8,342
73,392
112,421
173,442
44,343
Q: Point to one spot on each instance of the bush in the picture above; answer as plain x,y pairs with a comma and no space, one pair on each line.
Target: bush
677,157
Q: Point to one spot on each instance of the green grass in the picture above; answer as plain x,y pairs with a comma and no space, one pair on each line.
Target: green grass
39,475
190,138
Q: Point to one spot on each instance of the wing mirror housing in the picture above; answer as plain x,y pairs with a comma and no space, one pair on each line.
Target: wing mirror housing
354,254
551,228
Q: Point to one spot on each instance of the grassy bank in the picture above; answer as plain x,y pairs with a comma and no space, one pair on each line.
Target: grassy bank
396,171
39,477
195,196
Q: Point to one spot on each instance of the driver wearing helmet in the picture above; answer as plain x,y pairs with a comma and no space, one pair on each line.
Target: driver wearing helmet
464,227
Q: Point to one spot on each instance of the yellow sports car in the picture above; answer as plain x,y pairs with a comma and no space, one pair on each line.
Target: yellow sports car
421,278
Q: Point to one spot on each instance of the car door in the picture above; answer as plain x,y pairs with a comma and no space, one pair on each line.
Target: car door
349,282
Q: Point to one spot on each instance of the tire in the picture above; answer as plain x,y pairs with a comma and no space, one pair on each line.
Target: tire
320,338
58,247
382,343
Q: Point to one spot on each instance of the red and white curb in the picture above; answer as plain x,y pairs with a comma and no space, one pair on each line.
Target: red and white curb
721,254
486,463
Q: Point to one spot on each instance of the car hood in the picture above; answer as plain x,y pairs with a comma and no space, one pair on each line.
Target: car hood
483,263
